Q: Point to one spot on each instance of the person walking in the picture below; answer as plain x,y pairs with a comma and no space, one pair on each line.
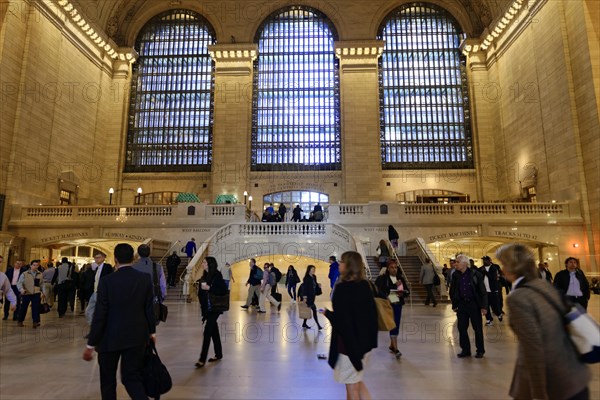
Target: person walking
426,278
63,278
30,287
291,281
297,213
547,365
253,283
573,282
491,281
190,248
13,274
393,237
47,289
310,289
173,262
469,301
393,286
211,283
334,271
122,325
354,326
268,281
227,275
6,292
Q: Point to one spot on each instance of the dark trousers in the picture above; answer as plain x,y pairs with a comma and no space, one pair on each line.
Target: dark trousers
211,331
172,271
132,362
493,306
579,300
430,295
292,291
7,304
397,307
34,299
63,298
469,311
583,395
314,311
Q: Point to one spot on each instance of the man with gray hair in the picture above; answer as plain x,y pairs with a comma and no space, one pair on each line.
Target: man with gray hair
470,302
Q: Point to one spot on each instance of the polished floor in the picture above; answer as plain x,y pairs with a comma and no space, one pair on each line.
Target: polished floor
267,356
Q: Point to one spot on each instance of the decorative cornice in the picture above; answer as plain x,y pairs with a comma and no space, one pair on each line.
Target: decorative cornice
95,35
359,49
234,52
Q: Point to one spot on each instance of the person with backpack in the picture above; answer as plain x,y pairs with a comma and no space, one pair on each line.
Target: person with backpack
253,283
278,276
268,281
156,272
547,365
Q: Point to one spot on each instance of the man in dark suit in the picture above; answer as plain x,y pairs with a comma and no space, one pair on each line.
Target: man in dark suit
573,283
491,281
469,301
122,325
13,274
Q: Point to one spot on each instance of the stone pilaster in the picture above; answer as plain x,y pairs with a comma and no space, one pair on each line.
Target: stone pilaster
359,91
233,118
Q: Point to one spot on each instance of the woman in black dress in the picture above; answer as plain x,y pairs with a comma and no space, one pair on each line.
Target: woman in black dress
211,282
354,323
310,289
291,281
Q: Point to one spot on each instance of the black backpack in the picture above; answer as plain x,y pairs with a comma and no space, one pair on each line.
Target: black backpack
278,274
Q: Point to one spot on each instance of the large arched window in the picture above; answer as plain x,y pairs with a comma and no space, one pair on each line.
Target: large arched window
296,114
424,98
171,104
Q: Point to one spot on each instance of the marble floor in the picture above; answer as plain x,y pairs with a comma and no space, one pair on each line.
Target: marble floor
267,356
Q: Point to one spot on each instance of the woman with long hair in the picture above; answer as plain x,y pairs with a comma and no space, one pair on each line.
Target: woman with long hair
291,281
547,366
211,282
393,286
354,323
310,289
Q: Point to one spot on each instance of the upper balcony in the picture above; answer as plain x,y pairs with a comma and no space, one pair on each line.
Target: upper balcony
375,213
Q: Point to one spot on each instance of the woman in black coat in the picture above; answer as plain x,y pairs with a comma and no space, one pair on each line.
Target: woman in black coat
354,323
291,281
310,289
211,282
393,286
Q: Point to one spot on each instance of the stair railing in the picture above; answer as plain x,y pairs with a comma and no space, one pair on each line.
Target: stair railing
422,251
168,251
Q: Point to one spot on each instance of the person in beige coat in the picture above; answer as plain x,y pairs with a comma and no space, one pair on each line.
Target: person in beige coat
547,364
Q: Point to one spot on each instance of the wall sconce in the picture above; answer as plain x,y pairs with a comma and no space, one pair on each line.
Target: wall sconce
576,245
245,197
111,191
139,195
250,202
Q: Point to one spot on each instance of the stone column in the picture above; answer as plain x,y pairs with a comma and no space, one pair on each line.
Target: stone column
233,118
361,148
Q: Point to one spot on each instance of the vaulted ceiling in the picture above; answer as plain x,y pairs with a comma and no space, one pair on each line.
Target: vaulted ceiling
117,17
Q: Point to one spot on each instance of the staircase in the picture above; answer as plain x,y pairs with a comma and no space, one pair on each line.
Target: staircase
159,253
373,265
412,269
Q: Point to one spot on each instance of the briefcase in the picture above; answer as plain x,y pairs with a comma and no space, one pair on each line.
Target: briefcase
277,297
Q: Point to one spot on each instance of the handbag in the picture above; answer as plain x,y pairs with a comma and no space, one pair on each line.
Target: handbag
155,375
581,328
44,308
160,312
385,312
436,278
304,312
385,315
218,303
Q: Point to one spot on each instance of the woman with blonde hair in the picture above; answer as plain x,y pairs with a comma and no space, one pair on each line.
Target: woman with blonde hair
547,364
354,325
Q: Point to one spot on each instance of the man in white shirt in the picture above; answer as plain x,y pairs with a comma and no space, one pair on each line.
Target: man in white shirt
6,291
13,274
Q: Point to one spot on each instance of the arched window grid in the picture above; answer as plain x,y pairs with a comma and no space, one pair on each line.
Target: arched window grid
425,111
172,95
296,101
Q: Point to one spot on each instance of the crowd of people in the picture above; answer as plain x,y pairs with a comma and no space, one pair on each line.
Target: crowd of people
280,215
123,332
